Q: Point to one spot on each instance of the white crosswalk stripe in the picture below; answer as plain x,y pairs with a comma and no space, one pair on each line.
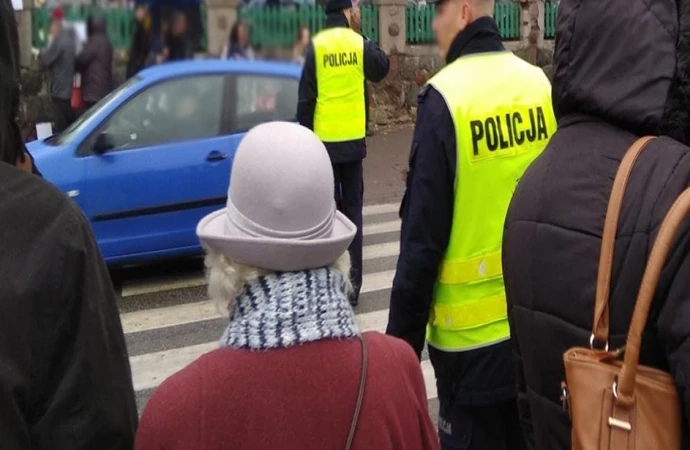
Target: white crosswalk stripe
165,338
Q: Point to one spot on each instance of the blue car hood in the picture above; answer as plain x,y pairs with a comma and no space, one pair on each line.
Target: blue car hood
38,148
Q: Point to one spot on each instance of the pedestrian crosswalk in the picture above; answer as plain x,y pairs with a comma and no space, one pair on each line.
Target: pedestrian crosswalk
169,322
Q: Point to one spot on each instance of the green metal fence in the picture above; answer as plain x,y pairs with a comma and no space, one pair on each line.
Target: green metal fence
120,23
507,17
277,26
418,24
550,14
418,21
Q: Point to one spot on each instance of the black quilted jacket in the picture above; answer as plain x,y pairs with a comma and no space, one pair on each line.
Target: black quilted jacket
622,69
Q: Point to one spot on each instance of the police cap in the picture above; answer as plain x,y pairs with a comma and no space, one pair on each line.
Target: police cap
337,5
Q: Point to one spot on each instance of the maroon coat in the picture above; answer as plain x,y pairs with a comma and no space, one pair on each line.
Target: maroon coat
297,398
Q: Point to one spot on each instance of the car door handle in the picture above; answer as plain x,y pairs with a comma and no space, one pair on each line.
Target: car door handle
216,156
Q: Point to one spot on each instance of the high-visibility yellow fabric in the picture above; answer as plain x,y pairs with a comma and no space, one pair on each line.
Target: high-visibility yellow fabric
340,105
501,108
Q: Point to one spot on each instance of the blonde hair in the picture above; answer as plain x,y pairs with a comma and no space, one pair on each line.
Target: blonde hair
227,278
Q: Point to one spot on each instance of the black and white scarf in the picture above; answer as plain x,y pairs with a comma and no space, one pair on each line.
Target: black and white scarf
286,309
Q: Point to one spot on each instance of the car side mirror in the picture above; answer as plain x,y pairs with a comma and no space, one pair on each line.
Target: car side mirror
103,143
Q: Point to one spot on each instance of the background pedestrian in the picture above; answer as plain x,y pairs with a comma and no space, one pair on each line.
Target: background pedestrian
95,62
238,46
178,44
300,47
141,41
59,58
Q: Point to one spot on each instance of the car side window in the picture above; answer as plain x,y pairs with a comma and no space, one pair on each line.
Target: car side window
172,111
262,98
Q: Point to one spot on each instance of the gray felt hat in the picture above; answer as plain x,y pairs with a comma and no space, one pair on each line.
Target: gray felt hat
280,213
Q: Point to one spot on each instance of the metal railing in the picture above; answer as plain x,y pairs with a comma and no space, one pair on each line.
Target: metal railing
418,20
277,26
120,22
550,14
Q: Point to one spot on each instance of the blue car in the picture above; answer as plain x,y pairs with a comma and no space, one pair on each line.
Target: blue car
154,156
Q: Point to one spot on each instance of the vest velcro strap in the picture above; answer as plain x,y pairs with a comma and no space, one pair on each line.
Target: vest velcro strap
469,314
471,270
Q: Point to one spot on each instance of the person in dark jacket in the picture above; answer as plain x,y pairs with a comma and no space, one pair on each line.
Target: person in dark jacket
346,153
59,58
607,92
12,147
447,287
141,42
95,62
65,379
178,45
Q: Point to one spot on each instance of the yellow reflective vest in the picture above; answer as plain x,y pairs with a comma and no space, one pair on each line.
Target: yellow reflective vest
340,113
503,116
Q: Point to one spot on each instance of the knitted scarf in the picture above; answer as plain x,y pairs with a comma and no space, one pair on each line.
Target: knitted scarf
286,309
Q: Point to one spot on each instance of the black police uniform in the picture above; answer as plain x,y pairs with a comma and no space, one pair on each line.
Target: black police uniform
477,388
346,157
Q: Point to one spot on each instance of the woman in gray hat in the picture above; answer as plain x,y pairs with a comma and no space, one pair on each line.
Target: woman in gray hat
293,371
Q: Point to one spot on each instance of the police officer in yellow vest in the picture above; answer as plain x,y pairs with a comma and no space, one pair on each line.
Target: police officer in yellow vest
332,104
480,122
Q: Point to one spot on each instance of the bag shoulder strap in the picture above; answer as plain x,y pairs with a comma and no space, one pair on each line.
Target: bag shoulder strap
600,325
360,395
624,388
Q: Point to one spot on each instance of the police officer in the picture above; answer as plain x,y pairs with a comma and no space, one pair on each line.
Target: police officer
481,121
338,62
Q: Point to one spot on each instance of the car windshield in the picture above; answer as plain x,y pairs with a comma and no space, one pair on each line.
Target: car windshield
85,119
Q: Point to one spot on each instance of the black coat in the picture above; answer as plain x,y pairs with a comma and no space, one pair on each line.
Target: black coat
179,48
427,218
95,62
11,142
10,137
65,380
139,51
376,67
614,67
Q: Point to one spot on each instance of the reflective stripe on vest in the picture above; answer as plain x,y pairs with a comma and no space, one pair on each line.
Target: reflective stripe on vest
501,109
340,113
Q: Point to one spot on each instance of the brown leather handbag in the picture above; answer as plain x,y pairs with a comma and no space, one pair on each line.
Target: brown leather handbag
618,405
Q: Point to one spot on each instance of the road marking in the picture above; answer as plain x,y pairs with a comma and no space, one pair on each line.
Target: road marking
429,380
168,283
380,250
190,280
151,369
373,321
381,209
381,227
169,316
